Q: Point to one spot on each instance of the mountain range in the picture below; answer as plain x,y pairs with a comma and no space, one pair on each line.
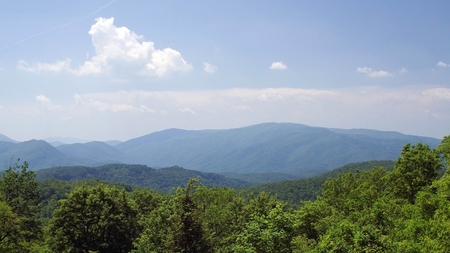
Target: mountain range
286,148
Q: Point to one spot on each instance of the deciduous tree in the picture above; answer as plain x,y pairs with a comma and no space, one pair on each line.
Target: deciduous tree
96,218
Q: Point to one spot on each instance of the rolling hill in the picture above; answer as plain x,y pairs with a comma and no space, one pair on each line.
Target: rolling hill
138,175
97,151
40,154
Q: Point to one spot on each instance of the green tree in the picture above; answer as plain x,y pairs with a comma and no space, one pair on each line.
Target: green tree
10,234
266,233
18,188
417,167
186,232
221,210
98,218
444,149
155,224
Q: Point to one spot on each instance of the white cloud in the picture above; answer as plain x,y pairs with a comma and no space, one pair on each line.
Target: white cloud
209,68
119,50
278,65
442,64
47,103
373,73
403,70
187,109
58,66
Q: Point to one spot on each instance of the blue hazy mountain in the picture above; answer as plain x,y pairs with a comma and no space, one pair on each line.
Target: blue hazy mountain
284,148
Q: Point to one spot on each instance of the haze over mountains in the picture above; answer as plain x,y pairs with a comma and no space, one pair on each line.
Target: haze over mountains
293,149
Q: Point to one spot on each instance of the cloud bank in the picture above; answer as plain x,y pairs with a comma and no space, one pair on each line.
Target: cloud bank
118,49
127,114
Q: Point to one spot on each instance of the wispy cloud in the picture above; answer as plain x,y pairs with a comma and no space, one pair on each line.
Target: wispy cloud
57,66
209,68
47,103
373,73
59,26
403,70
118,49
279,65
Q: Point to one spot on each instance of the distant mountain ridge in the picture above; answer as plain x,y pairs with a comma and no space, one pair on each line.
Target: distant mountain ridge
287,148
294,149
6,139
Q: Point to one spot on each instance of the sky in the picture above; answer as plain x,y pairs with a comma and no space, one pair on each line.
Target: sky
116,70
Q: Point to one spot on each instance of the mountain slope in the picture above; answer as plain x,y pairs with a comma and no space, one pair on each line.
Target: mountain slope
6,139
293,149
39,154
96,150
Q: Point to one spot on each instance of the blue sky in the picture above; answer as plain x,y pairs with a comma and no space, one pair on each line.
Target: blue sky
102,70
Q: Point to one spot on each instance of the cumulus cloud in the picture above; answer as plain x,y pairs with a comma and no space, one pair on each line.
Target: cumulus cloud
47,103
442,64
373,73
209,68
278,65
118,49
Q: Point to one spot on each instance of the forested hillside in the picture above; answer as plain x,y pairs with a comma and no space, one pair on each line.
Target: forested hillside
295,149
40,153
295,191
165,179
403,210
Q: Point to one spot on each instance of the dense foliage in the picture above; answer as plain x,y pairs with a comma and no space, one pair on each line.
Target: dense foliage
295,191
403,210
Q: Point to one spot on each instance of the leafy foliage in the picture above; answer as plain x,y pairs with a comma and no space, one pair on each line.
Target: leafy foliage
295,191
19,202
52,190
96,218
